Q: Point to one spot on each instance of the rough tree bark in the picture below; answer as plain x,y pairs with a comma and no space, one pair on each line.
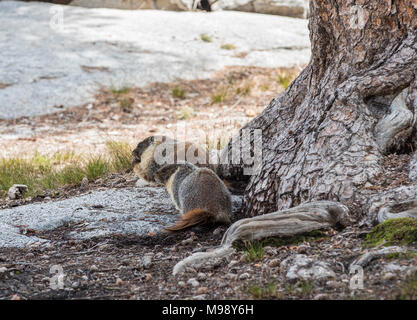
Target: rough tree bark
325,137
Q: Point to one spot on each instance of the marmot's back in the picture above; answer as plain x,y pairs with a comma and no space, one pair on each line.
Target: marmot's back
198,193
204,190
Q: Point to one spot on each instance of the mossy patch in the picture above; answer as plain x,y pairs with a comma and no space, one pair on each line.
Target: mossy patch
399,231
401,255
294,240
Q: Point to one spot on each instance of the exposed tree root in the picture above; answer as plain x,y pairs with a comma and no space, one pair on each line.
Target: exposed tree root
366,258
395,128
404,209
383,203
302,219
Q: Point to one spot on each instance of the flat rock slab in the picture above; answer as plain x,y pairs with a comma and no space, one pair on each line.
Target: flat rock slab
115,211
43,66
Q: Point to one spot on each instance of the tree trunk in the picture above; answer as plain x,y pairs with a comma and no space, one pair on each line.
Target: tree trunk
326,136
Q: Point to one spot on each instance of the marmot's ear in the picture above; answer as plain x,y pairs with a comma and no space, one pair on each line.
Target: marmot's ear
163,174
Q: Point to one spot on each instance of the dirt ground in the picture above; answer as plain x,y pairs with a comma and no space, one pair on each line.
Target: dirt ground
112,268
140,267
183,109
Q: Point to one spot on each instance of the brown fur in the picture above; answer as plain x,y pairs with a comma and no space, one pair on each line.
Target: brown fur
198,193
144,164
191,218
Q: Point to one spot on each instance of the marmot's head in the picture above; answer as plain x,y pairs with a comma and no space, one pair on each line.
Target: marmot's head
140,149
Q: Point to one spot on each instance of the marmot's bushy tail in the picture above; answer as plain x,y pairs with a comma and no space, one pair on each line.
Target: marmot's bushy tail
191,218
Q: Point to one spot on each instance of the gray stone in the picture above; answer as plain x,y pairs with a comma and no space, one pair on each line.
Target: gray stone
146,261
244,276
300,266
392,267
290,8
17,191
84,182
193,282
123,211
274,263
201,276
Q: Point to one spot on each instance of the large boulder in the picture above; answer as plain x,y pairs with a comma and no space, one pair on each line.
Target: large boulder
174,5
290,8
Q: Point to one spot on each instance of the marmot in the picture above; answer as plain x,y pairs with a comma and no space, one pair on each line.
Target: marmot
198,193
156,151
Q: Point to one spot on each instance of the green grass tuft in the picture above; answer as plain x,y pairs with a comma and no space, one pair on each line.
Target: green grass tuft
243,90
219,97
120,154
301,287
179,93
96,167
399,231
266,291
285,80
205,38
120,91
70,175
227,46
41,173
254,251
